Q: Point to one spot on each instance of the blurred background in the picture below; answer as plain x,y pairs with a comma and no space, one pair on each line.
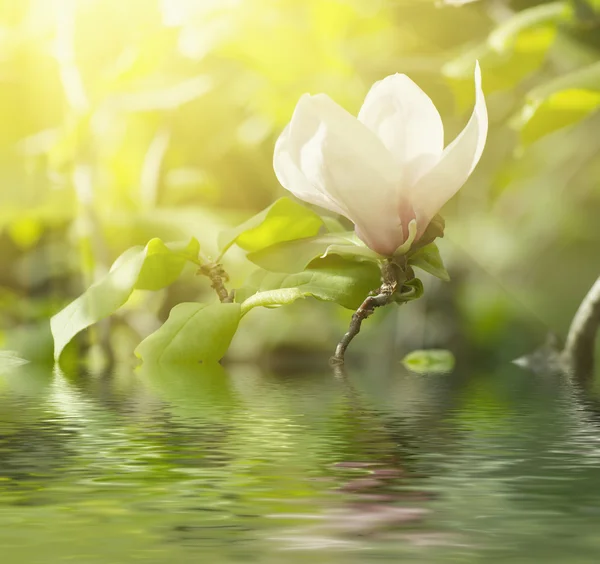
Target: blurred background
127,120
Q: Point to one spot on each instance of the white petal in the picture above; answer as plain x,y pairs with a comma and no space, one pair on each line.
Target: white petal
458,160
293,179
406,121
345,163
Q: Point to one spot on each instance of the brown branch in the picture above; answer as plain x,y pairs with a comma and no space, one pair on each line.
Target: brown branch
218,277
389,283
578,355
576,358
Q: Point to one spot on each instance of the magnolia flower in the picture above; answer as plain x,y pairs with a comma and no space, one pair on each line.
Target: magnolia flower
387,171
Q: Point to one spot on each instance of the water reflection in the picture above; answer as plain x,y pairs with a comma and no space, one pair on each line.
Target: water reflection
174,463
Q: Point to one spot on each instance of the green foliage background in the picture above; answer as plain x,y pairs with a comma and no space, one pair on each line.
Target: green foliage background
125,121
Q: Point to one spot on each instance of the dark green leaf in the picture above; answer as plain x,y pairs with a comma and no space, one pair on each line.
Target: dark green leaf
194,332
285,220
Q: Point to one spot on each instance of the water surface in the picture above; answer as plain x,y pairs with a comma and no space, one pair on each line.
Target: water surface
190,464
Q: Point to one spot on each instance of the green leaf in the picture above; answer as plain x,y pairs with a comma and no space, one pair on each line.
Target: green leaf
333,224
99,301
194,332
507,34
285,220
559,110
353,251
409,291
336,280
428,259
151,267
434,230
295,256
164,263
558,103
514,50
432,361
586,78
10,359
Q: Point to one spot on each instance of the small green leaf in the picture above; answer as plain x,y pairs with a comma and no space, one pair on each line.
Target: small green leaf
409,291
336,280
275,298
285,220
428,259
194,332
432,361
164,263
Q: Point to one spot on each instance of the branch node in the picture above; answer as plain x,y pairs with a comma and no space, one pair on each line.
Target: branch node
218,276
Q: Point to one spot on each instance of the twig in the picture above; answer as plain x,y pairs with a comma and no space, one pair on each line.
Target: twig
383,295
578,355
218,277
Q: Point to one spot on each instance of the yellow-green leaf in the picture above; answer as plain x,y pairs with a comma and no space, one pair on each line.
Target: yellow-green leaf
337,280
559,110
295,256
193,333
165,262
428,259
151,267
432,361
285,220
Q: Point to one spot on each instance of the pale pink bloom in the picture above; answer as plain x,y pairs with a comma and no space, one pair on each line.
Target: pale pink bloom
384,169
